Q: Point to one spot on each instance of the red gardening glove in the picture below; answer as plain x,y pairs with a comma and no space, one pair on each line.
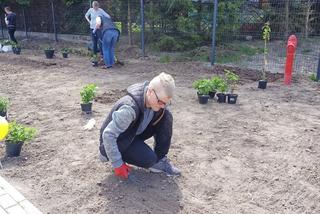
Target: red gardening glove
122,171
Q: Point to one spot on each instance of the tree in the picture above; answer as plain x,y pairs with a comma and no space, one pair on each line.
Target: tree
24,4
308,13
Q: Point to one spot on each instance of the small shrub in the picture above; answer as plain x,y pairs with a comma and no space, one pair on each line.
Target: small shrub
49,48
65,50
7,42
88,93
4,103
266,30
203,86
215,82
19,133
232,80
223,86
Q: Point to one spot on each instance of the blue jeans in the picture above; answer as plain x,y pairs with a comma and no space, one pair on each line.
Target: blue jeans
109,41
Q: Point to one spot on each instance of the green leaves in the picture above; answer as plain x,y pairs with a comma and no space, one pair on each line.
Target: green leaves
88,93
24,2
65,50
4,103
266,30
71,2
19,133
94,58
232,80
203,86
216,83
313,77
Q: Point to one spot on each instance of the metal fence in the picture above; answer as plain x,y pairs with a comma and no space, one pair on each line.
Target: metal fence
182,29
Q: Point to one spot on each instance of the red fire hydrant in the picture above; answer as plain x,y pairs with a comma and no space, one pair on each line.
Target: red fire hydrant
291,50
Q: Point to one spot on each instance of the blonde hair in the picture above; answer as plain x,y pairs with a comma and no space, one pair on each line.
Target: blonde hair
163,84
95,4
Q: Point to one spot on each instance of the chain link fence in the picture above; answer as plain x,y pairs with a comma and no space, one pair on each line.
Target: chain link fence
182,29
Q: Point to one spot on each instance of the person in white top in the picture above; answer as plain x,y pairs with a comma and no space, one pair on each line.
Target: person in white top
91,16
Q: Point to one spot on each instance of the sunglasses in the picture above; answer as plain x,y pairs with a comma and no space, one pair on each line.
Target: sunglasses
160,102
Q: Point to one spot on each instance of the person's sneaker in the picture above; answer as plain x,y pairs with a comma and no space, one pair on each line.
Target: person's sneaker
165,166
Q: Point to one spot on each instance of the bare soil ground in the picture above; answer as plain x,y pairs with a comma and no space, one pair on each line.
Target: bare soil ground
258,156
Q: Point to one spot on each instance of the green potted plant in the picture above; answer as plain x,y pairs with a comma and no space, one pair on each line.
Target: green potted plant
17,136
49,52
222,88
266,30
4,103
94,60
16,48
214,82
203,86
65,52
232,81
88,93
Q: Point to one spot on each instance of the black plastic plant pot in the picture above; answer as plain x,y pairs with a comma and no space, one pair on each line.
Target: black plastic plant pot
232,98
65,55
203,99
3,113
94,64
86,107
49,53
212,94
13,149
16,51
262,84
221,97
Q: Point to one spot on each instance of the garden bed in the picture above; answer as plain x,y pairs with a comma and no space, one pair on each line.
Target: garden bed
258,156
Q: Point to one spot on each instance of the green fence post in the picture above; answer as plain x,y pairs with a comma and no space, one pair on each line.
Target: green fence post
214,24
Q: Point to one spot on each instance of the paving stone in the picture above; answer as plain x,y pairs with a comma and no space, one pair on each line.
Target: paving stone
17,209
2,192
2,211
13,202
11,190
6,201
29,208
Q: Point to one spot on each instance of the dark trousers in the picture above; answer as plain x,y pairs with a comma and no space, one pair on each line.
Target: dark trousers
96,43
138,153
11,35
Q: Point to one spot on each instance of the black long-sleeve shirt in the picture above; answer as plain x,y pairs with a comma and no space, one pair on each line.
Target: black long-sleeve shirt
11,18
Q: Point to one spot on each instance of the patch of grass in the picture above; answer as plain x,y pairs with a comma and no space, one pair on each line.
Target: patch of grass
165,59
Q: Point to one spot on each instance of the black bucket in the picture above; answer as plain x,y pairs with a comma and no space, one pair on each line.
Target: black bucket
13,149
262,84
49,53
86,107
232,98
221,97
